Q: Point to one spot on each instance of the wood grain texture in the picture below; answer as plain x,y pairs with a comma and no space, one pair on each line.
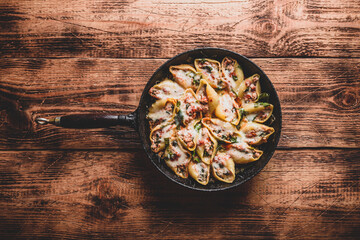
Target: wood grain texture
161,29
112,194
320,100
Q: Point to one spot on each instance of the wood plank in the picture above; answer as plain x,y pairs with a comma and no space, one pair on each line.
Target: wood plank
319,97
301,194
162,29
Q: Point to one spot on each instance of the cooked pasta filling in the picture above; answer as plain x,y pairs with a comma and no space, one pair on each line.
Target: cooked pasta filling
186,78
250,94
211,71
205,141
219,165
166,89
206,119
190,107
159,135
229,107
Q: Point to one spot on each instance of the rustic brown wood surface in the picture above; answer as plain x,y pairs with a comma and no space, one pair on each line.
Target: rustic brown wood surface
61,57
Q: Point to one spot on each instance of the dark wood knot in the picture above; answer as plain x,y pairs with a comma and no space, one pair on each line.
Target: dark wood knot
347,99
107,203
266,27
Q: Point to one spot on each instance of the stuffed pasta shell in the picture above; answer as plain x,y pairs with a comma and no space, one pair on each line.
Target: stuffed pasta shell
249,90
189,108
177,158
188,136
227,109
223,167
161,132
232,73
242,153
208,97
258,112
166,89
162,110
211,71
221,130
186,76
200,172
206,144
256,133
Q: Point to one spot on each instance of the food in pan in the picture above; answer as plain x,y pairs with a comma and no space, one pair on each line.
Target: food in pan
208,119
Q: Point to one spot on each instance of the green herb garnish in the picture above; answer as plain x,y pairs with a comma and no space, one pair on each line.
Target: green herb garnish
263,134
234,92
233,139
264,97
178,103
179,118
208,68
197,126
206,154
196,81
170,155
264,104
220,148
235,78
196,158
166,140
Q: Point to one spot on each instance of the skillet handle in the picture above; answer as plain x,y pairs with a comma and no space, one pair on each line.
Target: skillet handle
90,120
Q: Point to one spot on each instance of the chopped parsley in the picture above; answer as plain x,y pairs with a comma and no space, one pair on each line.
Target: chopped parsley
264,104
264,97
206,154
196,81
170,155
197,126
235,77
196,158
179,118
234,92
263,134
178,103
233,139
208,68
166,140
202,60
220,148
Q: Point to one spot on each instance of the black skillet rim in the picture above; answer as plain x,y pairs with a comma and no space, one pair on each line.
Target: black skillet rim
143,135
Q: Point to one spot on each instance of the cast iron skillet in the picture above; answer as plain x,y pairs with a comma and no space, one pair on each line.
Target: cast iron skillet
138,120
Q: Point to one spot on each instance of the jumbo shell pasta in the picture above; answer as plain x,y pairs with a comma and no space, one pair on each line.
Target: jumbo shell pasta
208,119
162,110
186,76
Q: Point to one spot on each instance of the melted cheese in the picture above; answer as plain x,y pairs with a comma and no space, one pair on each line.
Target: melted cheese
256,133
223,167
226,109
200,172
166,89
183,157
242,153
210,70
188,136
190,106
221,130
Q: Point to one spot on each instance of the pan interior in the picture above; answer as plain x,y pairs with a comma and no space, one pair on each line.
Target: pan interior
245,172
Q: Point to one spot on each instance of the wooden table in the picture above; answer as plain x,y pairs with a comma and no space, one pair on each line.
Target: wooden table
92,56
